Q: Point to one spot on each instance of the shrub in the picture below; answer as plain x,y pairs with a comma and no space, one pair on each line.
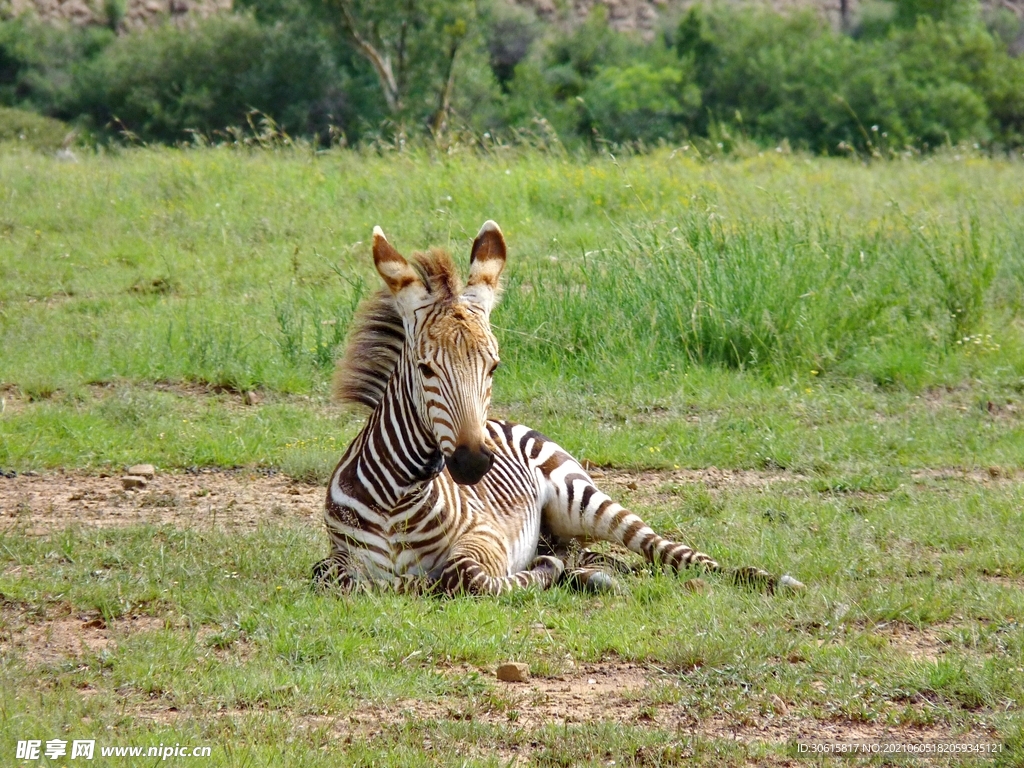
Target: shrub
28,129
926,74
794,77
511,32
36,61
163,82
963,84
640,102
780,75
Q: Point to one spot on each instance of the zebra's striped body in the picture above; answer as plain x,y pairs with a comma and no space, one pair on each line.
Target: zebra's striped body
430,491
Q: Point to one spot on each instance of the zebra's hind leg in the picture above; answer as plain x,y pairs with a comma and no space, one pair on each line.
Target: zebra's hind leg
580,509
660,551
586,570
595,571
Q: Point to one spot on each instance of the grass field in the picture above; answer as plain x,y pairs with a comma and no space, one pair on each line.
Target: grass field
842,343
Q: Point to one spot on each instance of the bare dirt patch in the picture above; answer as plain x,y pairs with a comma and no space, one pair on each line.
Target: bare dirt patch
57,634
925,644
988,475
46,503
53,635
1007,582
622,693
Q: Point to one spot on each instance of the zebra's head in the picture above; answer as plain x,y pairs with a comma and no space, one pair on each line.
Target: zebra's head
450,354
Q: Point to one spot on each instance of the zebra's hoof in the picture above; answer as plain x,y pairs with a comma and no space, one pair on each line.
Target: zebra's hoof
599,581
593,580
328,575
548,563
787,582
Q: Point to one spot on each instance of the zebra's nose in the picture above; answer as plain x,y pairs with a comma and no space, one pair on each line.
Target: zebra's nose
467,466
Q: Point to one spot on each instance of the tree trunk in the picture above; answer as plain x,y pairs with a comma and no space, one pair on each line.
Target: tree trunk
444,103
381,62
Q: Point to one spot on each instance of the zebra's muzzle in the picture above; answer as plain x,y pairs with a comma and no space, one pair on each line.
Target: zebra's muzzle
468,466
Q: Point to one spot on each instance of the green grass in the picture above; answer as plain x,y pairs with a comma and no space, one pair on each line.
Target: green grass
245,657
854,329
649,284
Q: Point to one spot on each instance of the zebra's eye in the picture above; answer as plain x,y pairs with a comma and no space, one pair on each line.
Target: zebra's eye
425,369
497,364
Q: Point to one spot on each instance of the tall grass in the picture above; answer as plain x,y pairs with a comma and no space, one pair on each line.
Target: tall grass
790,289
243,268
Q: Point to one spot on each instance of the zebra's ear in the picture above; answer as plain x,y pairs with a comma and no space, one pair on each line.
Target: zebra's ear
401,279
487,259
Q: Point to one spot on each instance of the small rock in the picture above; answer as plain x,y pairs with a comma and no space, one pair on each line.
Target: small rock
252,397
788,582
778,705
133,481
142,470
697,586
513,672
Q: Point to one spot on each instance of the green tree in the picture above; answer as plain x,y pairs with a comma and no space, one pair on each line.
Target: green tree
640,102
412,47
160,83
907,12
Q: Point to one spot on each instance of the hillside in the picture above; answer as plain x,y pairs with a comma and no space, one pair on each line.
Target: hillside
136,13
623,15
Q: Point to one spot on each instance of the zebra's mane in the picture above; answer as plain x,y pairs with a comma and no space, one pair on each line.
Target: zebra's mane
377,335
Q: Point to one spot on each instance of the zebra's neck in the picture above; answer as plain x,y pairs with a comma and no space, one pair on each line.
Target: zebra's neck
399,456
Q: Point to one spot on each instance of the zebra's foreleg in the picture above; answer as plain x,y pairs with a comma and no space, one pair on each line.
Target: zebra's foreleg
333,572
466,572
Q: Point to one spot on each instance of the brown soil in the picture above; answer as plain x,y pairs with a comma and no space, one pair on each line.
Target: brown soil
625,693
919,644
58,635
620,692
234,500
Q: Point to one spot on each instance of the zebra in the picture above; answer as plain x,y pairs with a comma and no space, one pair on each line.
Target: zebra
432,494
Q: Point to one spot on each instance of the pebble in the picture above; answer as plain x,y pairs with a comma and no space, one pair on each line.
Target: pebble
778,705
514,672
133,481
142,470
251,398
